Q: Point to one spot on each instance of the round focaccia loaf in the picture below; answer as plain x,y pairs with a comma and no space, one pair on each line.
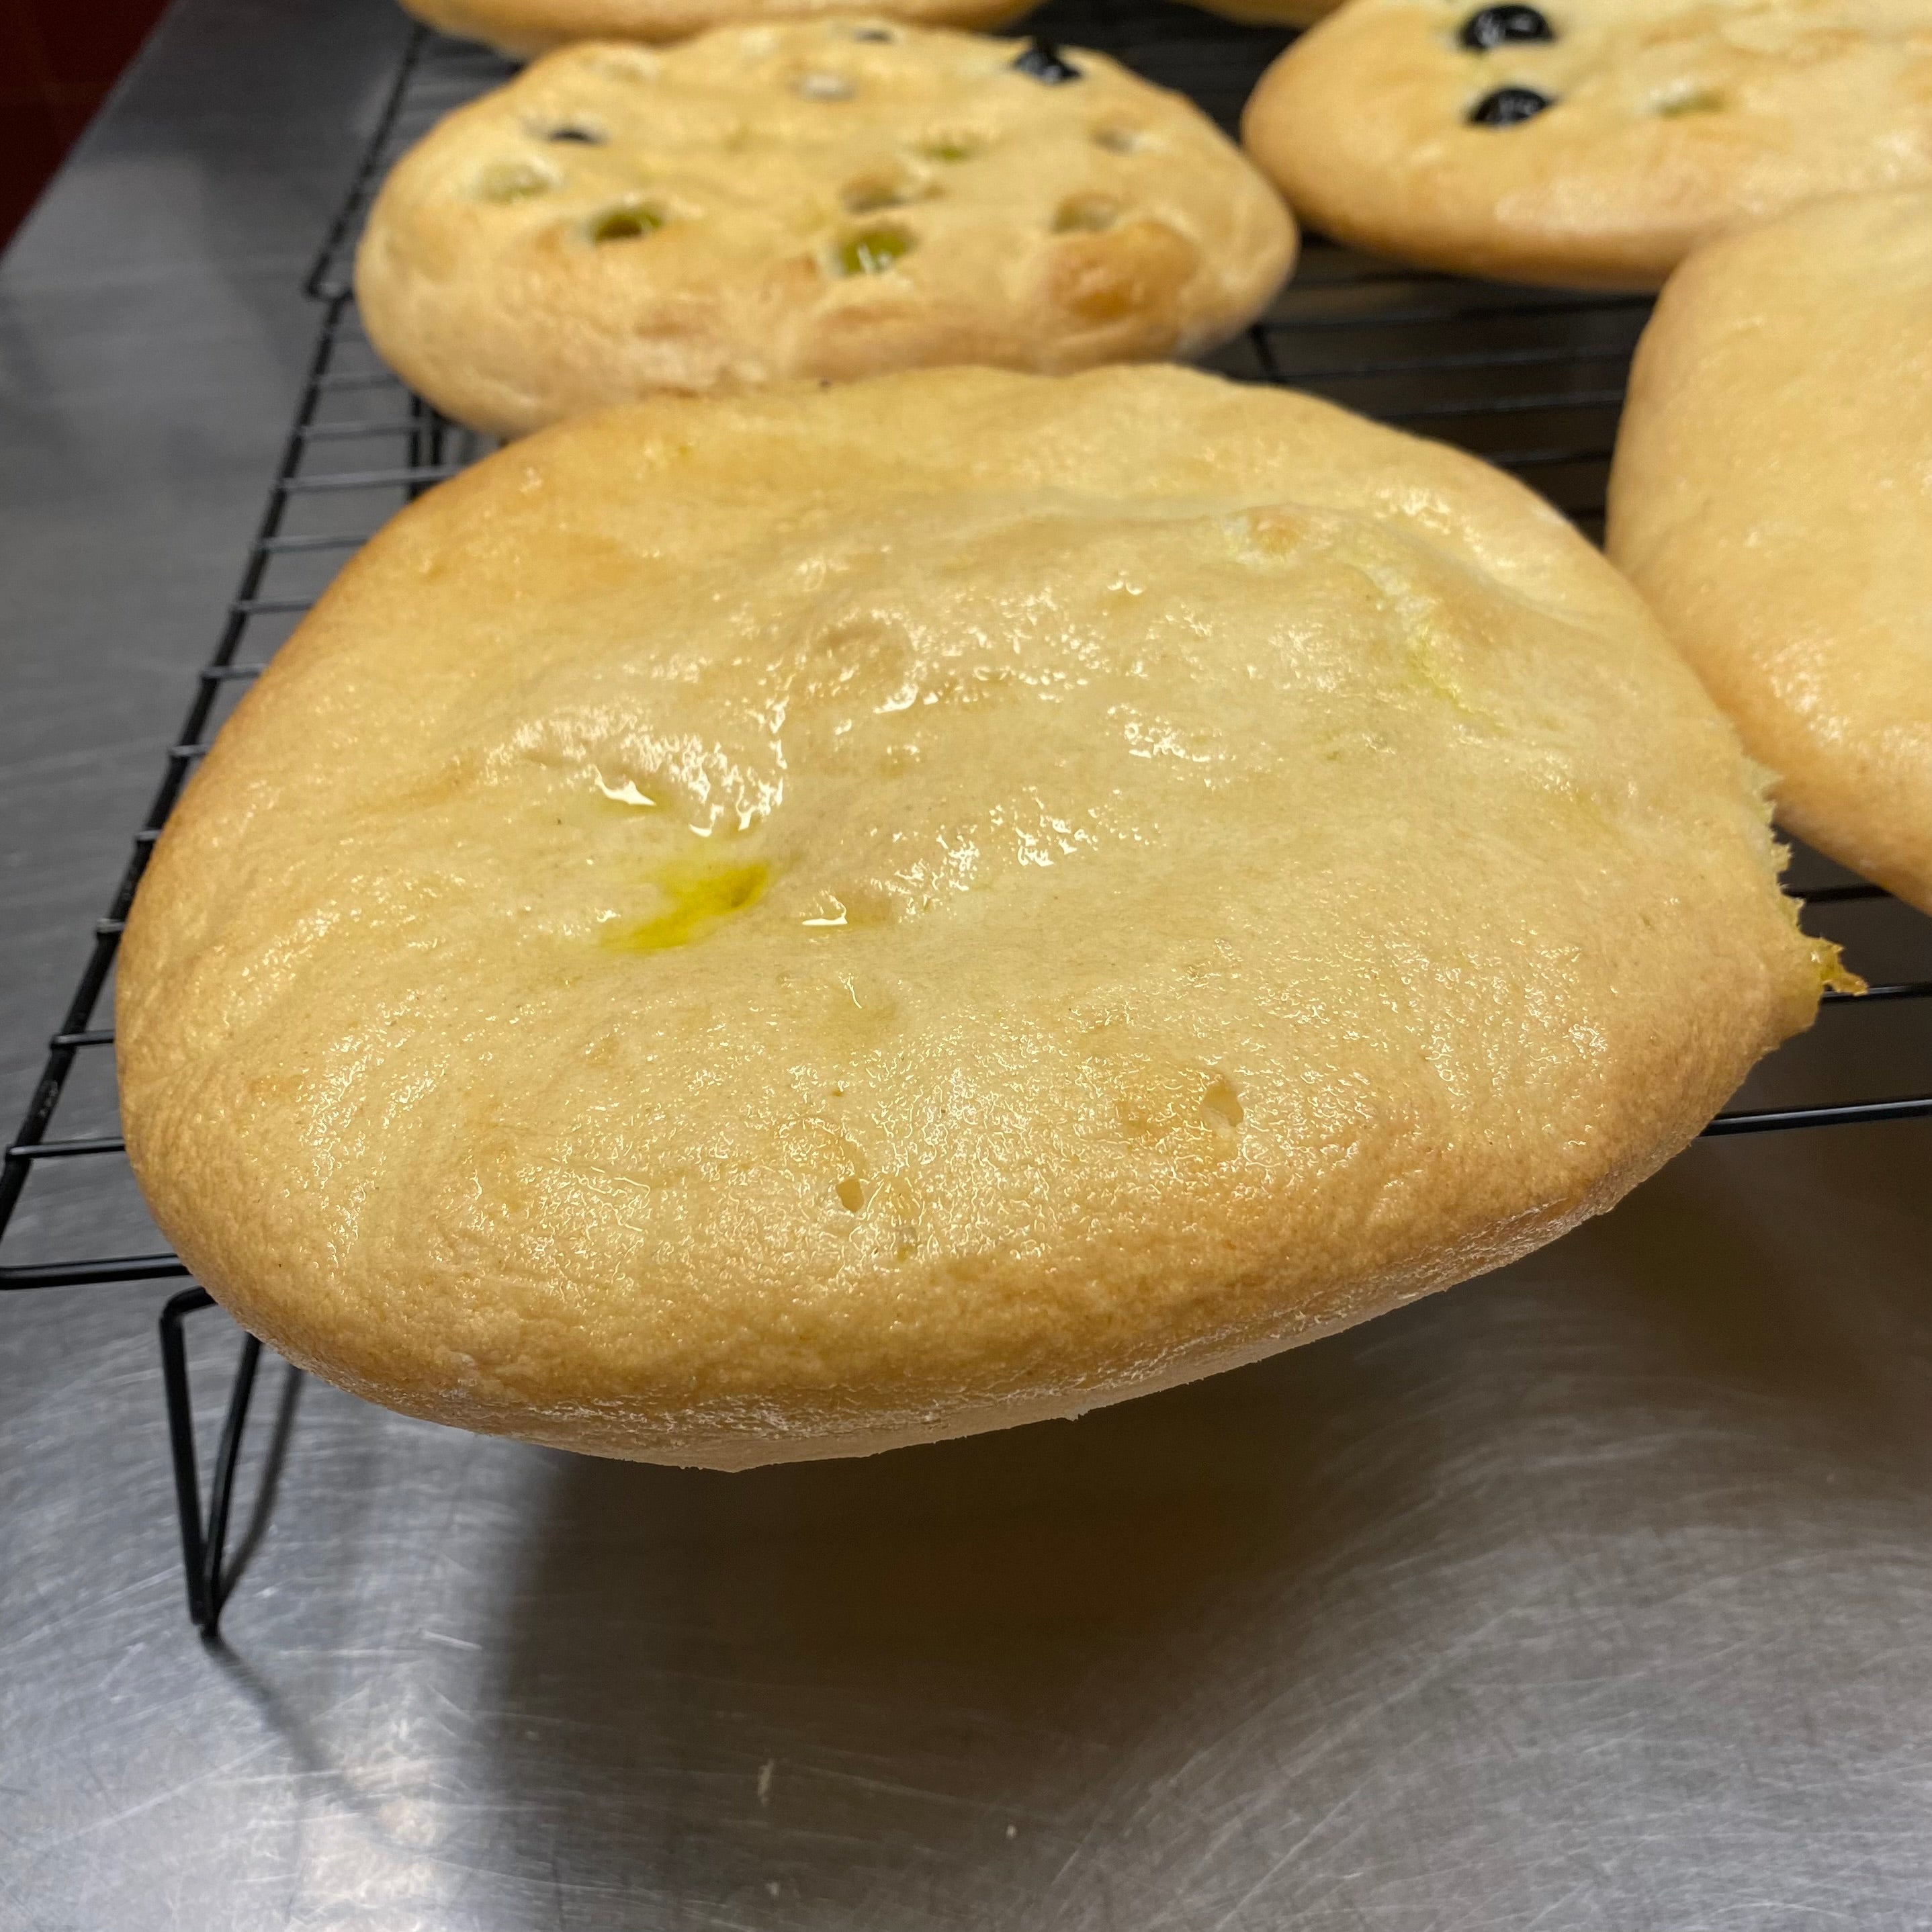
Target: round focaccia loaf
523,27
782,926
1591,142
830,199
1772,497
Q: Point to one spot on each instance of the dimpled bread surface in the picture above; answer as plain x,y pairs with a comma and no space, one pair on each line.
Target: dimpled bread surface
1652,126
779,927
1772,496
523,27
831,200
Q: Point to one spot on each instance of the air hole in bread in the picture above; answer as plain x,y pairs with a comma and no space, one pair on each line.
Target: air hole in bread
873,251
637,65
1691,99
574,131
1085,214
871,193
631,223
873,34
1117,140
951,148
1221,1106
513,180
851,1194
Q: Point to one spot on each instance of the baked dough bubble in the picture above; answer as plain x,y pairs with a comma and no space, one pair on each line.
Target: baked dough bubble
779,926
1771,495
524,28
820,200
1592,143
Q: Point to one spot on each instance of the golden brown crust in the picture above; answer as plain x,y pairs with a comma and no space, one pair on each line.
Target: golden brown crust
1045,227
1672,120
525,28
778,926
1772,496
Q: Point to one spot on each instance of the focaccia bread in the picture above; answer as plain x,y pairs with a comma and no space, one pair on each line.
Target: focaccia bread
829,199
1772,496
523,28
779,927
1591,142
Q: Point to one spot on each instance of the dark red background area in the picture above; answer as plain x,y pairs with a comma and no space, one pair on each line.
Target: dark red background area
58,59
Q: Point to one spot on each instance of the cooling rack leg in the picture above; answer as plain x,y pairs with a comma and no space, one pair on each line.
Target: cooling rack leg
204,1539
425,442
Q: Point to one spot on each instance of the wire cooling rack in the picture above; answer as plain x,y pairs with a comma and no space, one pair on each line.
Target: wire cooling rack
1531,380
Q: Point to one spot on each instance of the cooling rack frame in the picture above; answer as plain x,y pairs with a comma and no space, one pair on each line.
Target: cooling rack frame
1530,378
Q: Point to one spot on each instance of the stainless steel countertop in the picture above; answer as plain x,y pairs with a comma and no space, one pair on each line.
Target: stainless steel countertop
1598,1595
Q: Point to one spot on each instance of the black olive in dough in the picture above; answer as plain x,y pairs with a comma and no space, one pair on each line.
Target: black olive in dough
1507,106
1041,59
1494,26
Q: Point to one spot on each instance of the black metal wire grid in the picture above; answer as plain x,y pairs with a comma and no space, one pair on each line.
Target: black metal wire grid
1531,380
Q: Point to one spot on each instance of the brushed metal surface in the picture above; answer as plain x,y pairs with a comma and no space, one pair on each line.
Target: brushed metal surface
1598,1595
